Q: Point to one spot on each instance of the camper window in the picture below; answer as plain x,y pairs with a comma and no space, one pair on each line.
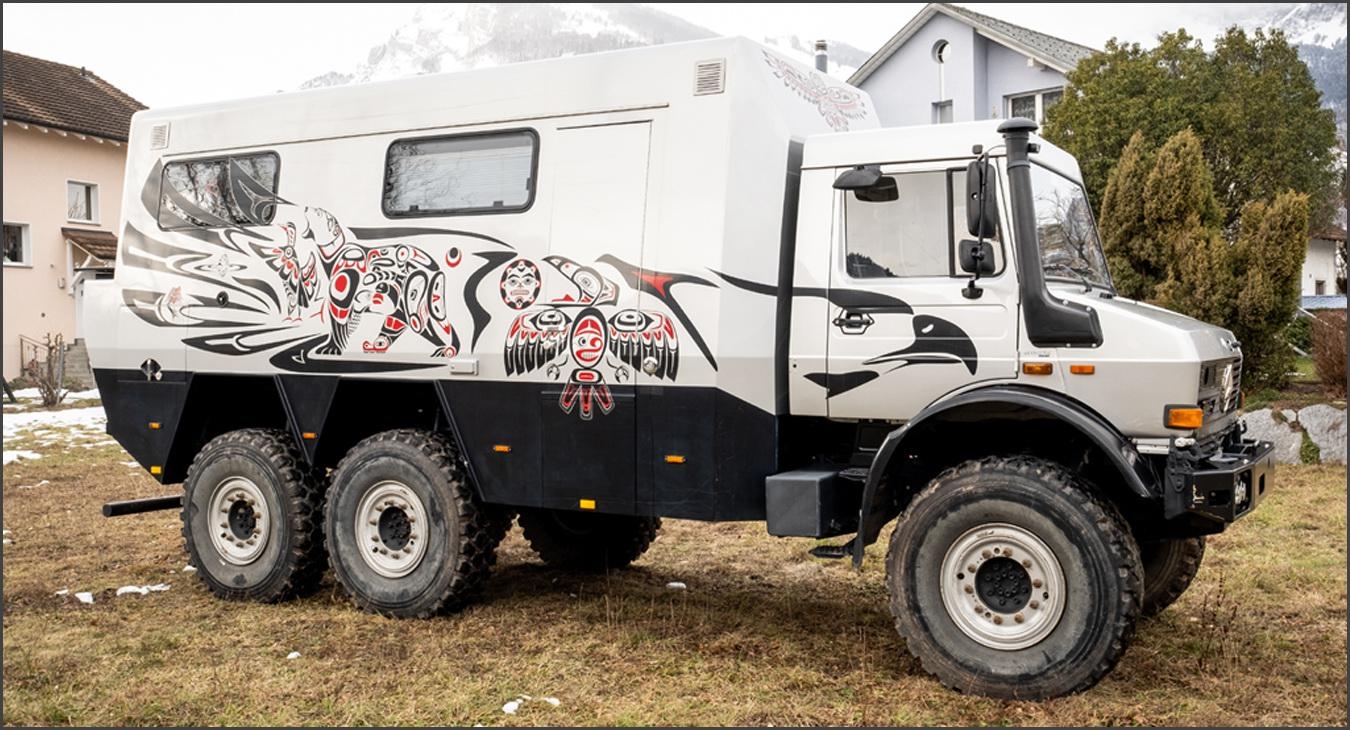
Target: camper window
219,192
461,175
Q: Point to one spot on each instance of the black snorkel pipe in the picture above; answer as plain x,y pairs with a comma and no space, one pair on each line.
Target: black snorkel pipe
1050,321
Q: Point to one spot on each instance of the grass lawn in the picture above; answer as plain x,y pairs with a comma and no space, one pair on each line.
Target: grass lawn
764,634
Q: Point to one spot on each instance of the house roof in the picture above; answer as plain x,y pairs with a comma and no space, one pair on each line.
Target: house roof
101,244
1323,301
69,98
1054,52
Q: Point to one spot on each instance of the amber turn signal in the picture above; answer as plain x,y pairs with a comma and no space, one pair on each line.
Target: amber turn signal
1038,368
1184,417
674,459
502,448
1082,369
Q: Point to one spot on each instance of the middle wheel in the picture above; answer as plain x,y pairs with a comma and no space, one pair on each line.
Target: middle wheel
406,535
590,541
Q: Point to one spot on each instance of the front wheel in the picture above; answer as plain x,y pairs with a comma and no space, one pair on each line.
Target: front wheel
587,541
1009,578
1169,568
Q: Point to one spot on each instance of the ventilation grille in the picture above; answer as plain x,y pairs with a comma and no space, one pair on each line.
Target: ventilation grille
710,77
159,136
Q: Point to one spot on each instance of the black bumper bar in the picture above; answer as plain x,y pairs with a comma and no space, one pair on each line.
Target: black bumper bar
1224,486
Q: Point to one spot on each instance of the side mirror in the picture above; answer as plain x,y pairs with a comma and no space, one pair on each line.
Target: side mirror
981,220
975,254
859,178
884,191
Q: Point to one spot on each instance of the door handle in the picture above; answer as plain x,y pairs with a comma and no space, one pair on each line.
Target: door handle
853,323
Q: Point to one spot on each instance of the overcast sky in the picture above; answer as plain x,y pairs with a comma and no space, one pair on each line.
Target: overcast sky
168,54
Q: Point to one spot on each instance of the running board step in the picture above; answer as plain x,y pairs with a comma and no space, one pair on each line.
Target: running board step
137,506
833,552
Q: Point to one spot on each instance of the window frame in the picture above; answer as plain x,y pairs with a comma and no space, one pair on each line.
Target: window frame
164,175
531,132
1038,97
949,171
95,204
26,241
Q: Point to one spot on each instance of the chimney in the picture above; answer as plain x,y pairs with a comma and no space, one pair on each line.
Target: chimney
822,58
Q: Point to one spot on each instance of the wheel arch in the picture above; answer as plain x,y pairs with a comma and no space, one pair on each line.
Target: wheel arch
1002,411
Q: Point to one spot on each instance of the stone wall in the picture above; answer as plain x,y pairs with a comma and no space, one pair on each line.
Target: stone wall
1322,424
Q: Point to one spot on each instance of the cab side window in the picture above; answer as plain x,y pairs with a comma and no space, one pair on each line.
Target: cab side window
908,226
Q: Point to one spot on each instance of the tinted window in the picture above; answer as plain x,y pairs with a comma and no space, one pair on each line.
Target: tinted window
477,173
219,192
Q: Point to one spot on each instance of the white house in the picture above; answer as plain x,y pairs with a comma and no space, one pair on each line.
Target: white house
1319,284
950,64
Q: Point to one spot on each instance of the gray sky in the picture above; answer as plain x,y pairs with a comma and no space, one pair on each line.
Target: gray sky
167,54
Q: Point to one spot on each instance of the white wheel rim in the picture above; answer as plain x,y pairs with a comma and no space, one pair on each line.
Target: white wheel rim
240,521
1009,567
391,529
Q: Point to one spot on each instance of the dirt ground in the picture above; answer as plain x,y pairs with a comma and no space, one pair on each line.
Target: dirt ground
764,634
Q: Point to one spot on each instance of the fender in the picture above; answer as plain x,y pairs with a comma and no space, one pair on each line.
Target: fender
1133,469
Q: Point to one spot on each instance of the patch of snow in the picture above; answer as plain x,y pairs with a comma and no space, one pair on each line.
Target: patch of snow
90,394
131,464
553,701
92,418
189,569
6,541
62,592
511,707
676,585
293,655
10,457
143,590
85,597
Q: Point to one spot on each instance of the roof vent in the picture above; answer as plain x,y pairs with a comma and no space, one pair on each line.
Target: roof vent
159,136
710,77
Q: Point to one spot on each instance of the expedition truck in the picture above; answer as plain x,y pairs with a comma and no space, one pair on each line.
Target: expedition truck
368,327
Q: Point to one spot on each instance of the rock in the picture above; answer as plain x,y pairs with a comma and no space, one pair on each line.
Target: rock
1325,425
1290,415
1262,426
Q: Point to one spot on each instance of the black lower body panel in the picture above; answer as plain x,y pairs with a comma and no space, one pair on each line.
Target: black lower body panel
686,452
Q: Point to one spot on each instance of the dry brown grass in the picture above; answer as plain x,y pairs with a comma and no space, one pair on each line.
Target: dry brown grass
764,634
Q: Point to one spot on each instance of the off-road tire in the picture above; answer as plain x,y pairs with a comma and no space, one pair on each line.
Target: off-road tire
293,561
1087,535
1169,568
462,536
587,541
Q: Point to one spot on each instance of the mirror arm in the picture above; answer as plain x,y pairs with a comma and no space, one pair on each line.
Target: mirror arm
972,291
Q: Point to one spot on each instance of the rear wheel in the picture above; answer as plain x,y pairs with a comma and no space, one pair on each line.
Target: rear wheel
590,541
252,517
406,535
1009,578
1169,568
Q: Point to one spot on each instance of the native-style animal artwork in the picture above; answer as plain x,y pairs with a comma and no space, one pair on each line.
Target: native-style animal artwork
573,330
836,104
397,281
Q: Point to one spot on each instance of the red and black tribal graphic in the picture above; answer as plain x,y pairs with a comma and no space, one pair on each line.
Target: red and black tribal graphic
836,104
574,332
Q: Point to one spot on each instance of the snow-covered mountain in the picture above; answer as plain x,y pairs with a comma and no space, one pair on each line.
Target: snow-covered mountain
1318,32
454,37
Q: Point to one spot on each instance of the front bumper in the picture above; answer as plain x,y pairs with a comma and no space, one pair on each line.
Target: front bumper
1223,486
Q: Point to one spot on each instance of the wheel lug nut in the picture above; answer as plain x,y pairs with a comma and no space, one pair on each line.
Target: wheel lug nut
1026,563
987,554
407,548
1035,604
1018,618
374,538
224,525
970,568
998,620
1007,552
969,589
1036,583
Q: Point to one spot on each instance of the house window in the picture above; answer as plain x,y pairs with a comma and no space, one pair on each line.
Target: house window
942,112
81,202
459,175
940,51
18,252
1034,105
219,192
1319,286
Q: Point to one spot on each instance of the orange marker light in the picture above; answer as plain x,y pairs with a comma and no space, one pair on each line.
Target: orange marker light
309,435
1038,368
155,425
1184,417
502,448
586,504
156,470
1082,369
674,459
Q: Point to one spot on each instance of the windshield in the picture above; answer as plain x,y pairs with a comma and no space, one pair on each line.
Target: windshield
1070,249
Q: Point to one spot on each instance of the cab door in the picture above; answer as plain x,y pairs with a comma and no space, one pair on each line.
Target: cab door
901,331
